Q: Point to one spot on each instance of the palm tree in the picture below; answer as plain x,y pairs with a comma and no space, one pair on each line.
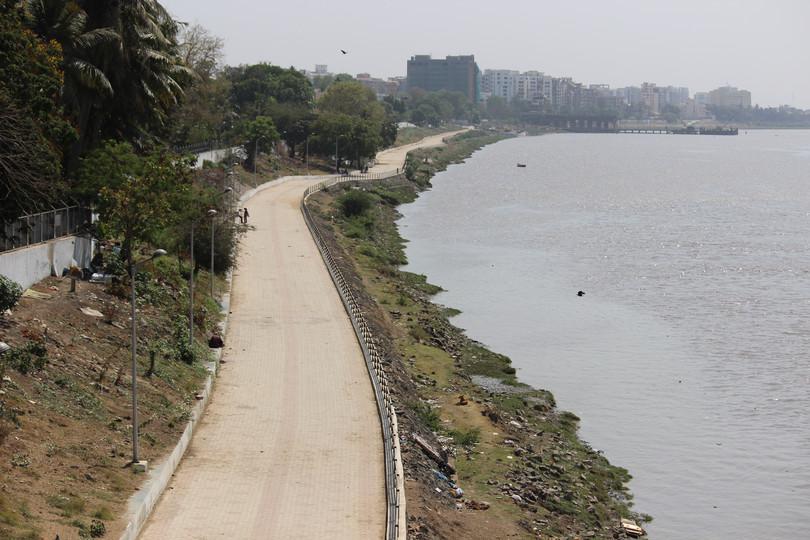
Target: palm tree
85,83
123,71
146,71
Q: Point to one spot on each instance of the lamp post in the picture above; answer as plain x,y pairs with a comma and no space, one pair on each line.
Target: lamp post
211,277
211,213
227,189
136,462
337,168
306,151
256,152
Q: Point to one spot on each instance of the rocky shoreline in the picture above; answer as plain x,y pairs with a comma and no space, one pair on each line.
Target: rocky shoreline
484,455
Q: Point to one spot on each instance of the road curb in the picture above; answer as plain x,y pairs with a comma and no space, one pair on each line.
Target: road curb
143,502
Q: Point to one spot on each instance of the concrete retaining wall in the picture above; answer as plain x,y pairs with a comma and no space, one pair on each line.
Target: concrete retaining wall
30,264
216,156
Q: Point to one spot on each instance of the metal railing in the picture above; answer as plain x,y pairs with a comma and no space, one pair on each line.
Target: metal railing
37,228
196,148
394,488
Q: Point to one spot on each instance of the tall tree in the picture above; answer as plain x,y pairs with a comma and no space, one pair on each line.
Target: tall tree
144,69
367,126
259,136
205,112
33,130
65,22
201,51
137,196
256,86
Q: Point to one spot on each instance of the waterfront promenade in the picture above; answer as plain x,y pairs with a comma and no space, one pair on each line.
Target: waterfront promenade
291,445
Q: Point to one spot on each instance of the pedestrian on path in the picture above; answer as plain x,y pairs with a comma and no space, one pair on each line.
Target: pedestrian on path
246,214
240,215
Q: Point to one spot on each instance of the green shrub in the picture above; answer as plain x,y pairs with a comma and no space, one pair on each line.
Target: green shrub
97,529
30,357
359,227
429,417
355,203
466,438
225,241
180,347
10,293
69,504
104,513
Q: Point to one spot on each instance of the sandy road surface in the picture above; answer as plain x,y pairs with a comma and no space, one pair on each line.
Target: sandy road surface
394,158
290,446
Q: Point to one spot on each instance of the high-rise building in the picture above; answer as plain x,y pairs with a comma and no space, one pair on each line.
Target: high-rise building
650,97
500,83
675,96
702,98
454,74
563,93
534,87
730,96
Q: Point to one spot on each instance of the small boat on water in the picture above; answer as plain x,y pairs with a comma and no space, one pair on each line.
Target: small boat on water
521,164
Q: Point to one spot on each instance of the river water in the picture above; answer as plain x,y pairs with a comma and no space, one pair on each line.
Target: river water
687,358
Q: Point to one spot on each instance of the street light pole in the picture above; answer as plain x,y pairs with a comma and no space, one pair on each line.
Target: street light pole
211,213
212,256
191,289
256,152
133,346
227,189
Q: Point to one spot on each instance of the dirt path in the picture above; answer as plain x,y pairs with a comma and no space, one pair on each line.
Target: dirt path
290,446
394,158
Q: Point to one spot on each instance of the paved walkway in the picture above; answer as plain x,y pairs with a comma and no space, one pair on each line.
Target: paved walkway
290,445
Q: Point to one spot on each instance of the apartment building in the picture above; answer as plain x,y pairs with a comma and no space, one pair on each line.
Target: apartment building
453,73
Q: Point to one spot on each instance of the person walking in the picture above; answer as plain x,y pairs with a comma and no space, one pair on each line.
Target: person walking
245,214
240,215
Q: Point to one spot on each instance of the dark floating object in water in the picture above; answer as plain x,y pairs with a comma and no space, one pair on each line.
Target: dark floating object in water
580,293
521,164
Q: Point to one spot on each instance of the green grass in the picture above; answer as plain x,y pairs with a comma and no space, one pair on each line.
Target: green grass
466,437
69,504
429,417
104,514
414,134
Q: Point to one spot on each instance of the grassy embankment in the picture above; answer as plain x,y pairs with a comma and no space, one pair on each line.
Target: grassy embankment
513,448
411,135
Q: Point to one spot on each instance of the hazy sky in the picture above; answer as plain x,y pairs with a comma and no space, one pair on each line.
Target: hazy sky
762,46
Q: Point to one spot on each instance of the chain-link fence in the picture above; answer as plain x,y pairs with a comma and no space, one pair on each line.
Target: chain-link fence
36,228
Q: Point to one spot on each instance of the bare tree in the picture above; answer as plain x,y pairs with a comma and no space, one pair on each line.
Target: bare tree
201,51
29,165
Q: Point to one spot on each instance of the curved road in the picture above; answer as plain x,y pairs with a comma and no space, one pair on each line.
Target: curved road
290,445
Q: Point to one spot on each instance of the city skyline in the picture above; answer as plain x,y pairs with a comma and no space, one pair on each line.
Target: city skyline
701,45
